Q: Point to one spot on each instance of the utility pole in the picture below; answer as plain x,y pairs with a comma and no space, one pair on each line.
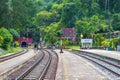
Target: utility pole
40,39
27,36
10,16
107,7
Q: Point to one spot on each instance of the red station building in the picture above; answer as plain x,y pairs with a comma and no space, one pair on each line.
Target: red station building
69,33
24,42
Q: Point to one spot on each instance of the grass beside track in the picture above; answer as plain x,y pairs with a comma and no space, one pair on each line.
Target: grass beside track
73,47
9,51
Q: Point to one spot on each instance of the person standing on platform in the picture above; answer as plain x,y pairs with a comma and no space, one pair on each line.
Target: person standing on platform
35,47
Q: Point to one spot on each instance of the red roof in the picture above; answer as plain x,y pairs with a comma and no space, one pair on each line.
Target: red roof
68,32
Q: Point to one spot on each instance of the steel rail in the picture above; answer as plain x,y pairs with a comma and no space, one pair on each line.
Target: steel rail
10,56
26,72
85,56
51,72
46,67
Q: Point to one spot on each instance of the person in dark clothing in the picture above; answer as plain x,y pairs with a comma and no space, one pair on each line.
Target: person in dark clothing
35,47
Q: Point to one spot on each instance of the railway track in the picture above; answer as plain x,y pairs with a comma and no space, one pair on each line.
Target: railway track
112,68
51,72
7,57
4,72
37,68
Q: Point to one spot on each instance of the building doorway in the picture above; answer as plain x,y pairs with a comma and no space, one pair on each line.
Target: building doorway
24,44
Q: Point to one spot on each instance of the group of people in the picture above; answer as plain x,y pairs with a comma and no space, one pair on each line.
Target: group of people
37,46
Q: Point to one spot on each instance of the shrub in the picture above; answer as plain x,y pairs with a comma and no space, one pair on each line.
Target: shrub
111,43
16,44
98,39
14,33
7,38
105,43
114,43
1,40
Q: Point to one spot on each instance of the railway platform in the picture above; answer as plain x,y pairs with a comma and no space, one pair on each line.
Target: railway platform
111,54
10,64
73,67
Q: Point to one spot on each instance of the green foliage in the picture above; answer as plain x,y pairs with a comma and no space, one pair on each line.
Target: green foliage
114,43
1,40
45,18
87,16
98,38
57,8
17,14
82,26
105,43
13,50
16,44
51,34
116,22
65,42
14,33
88,26
7,38
59,33
94,22
73,47
111,43
68,16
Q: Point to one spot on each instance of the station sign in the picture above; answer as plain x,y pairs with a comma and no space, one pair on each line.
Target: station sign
86,41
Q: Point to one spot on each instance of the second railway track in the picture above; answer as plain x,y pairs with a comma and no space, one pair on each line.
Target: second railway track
38,68
7,57
5,71
112,68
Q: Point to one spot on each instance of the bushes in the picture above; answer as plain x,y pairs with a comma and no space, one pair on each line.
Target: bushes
112,43
14,33
16,44
7,38
1,40
105,43
98,39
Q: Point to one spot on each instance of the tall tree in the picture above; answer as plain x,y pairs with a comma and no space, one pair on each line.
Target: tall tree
68,16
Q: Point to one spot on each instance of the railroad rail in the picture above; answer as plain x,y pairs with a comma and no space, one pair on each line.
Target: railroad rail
3,73
37,68
113,68
7,57
51,72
